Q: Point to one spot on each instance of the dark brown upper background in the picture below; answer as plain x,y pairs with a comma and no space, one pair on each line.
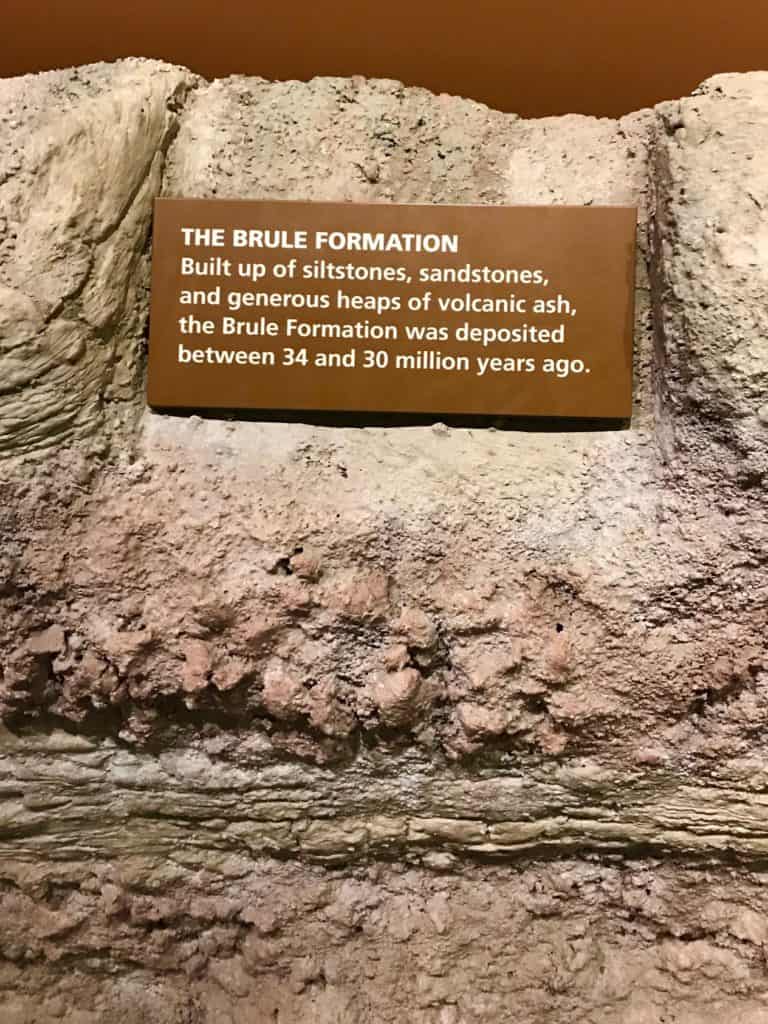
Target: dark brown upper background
534,57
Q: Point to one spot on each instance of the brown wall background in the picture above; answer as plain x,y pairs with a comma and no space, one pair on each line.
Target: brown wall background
535,57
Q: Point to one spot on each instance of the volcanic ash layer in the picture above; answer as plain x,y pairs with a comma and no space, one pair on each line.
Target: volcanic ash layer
350,724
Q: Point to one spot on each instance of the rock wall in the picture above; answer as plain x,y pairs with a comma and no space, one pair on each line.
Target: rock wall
363,723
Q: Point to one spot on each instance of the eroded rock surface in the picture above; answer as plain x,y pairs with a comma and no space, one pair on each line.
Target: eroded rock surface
712,242
369,723
81,158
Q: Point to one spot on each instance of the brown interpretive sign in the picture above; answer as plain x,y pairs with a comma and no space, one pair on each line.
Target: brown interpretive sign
350,307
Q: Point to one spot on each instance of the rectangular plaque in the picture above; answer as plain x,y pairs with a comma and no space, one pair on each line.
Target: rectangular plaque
516,310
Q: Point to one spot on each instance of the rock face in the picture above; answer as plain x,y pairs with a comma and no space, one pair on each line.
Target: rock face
711,242
363,724
81,157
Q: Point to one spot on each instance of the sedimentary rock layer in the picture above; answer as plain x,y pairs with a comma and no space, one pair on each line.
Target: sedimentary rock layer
82,155
496,691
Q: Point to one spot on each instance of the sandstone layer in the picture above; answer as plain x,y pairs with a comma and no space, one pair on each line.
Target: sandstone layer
353,721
